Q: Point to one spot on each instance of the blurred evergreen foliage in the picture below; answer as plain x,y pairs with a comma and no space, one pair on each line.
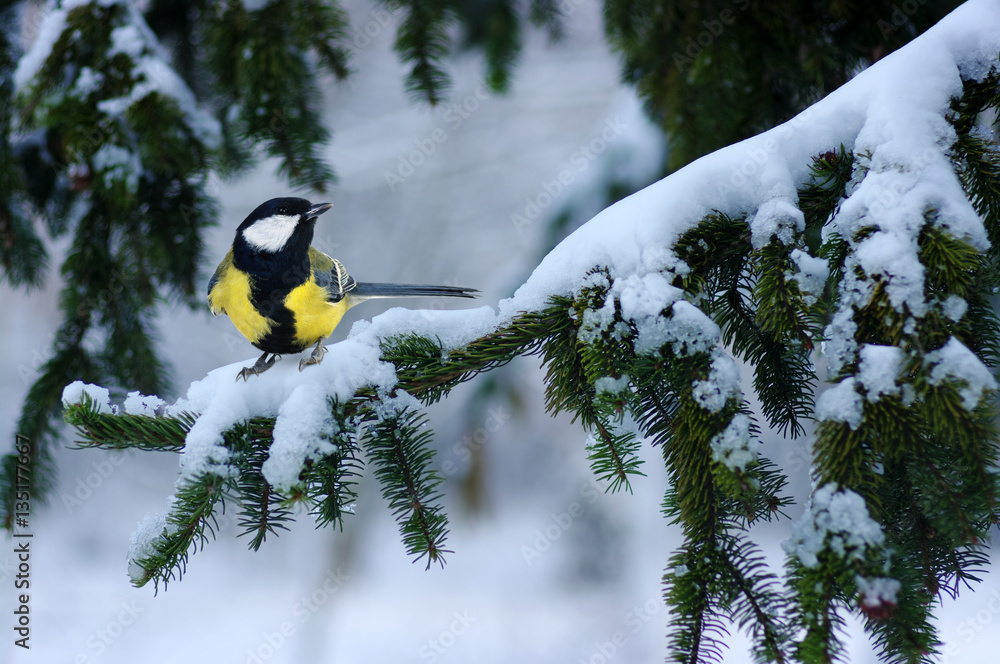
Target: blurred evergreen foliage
713,73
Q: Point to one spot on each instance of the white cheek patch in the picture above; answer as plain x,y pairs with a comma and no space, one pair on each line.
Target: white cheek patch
272,233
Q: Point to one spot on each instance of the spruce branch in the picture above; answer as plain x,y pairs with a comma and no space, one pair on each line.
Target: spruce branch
263,510
191,518
759,496
820,197
763,316
702,499
331,479
698,633
398,446
23,258
189,524
545,13
976,159
758,599
917,454
817,612
275,95
605,357
323,26
422,42
613,456
93,163
121,431
503,43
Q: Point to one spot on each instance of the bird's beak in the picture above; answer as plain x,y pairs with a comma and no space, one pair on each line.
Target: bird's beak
318,209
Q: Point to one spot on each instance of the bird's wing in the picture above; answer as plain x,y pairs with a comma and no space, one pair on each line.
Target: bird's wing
213,304
330,274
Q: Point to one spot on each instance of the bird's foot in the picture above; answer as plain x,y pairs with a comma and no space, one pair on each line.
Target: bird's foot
315,358
260,366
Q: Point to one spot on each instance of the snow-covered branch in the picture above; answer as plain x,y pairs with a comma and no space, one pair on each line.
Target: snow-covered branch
864,229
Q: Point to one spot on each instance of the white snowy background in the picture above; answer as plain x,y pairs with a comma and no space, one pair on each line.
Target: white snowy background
550,569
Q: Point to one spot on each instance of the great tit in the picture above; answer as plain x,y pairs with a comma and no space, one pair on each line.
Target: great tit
284,295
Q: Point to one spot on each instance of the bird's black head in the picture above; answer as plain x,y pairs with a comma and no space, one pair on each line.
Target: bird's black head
280,224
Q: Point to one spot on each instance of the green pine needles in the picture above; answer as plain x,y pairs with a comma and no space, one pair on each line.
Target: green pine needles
398,446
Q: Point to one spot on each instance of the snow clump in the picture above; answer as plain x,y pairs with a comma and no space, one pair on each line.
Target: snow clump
722,384
137,403
878,370
836,521
100,396
956,362
841,403
732,448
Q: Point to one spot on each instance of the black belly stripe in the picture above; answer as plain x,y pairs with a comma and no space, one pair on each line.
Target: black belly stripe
272,282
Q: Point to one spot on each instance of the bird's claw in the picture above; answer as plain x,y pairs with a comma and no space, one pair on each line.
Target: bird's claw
260,366
315,357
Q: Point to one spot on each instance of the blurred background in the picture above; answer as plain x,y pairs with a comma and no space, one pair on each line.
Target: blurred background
547,566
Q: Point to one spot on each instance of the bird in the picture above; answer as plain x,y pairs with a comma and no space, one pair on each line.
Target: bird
286,296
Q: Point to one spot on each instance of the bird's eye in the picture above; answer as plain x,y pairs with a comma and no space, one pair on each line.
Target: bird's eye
282,209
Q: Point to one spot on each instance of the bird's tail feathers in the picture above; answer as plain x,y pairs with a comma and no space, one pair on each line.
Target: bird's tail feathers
366,291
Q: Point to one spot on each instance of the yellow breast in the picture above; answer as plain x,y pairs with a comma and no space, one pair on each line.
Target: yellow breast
231,295
315,316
